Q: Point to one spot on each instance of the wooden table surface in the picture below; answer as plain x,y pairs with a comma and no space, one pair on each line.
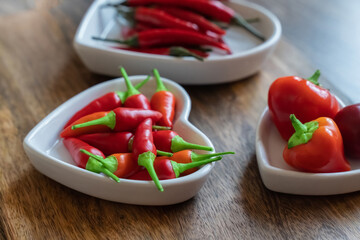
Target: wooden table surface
39,70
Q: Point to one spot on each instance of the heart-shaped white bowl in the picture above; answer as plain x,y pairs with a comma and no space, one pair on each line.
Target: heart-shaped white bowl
278,176
248,53
49,156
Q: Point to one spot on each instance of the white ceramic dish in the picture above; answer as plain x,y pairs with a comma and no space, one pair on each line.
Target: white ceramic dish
249,54
49,156
280,177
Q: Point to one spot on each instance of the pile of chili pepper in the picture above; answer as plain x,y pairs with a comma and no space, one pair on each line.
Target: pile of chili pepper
320,134
126,135
176,28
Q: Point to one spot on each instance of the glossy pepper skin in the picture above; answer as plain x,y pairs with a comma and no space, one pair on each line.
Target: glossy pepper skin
109,143
144,150
126,166
134,98
316,147
160,37
76,149
107,102
163,101
348,122
170,141
212,9
302,97
119,120
167,169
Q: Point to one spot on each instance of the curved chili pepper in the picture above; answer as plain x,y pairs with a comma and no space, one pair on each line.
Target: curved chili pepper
76,148
163,101
126,166
167,36
134,98
302,97
167,169
170,141
144,150
188,156
109,143
158,18
120,119
316,146
107,102
347,120
212,9
203,24
114,142
174,51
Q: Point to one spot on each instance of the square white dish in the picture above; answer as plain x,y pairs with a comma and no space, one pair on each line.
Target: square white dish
278,176
49,156
249,53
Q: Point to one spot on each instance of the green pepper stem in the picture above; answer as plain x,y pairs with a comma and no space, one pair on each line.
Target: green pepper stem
146,160
240,21
157,127
303,132
162,153
182,167
122,95
315,78
108,120
132,42
199,157
95,166
131,90
183,52
159,82
110,162
178,144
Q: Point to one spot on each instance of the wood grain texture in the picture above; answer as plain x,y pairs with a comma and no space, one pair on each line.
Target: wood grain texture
39,70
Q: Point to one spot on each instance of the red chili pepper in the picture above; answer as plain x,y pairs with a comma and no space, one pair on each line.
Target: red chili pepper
188,156
348,121
302,97
167,36
161,19
212,9
174,51
134,98
126,166
163,101
167,169
76,148
170,141
109,143
203,24
144,150
120,119
106,102
316,146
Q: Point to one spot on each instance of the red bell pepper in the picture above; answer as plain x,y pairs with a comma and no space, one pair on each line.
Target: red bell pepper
76,148
302,97
167,169
134,98
107,102
144,150
316,146
126,166
119,120
170,141
163,101
348,122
